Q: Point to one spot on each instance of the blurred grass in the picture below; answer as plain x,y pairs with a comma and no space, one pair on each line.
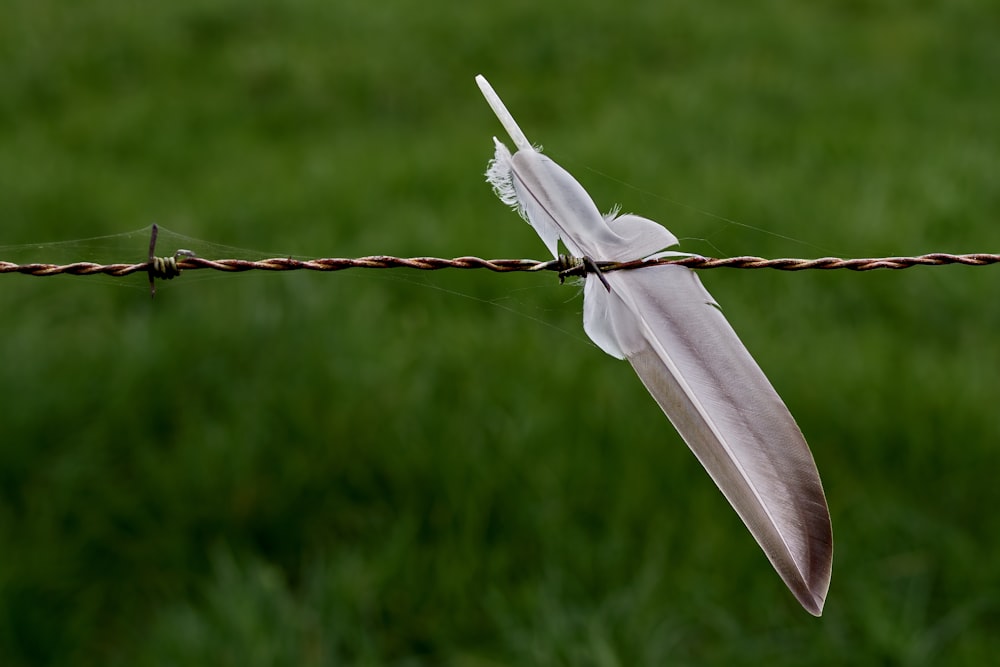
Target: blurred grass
425,469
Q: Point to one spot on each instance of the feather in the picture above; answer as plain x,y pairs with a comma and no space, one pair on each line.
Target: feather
690,360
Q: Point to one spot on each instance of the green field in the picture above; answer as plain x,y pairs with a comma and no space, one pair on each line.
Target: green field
403,468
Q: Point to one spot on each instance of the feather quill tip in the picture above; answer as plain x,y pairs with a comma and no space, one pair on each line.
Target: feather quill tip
521,142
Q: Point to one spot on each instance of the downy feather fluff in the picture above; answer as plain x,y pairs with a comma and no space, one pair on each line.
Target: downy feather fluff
689,358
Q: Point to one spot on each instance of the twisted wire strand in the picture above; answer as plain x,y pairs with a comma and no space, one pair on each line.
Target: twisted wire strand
169,267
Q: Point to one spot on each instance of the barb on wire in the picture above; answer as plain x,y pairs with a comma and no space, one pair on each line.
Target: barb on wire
162,267
183,260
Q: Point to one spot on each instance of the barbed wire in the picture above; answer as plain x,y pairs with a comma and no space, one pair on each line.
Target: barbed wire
169,267
182,260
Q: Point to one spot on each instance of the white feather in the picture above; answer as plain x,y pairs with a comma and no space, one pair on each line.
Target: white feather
689,358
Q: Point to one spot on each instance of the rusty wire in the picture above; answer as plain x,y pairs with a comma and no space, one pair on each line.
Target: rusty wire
164,267
171,266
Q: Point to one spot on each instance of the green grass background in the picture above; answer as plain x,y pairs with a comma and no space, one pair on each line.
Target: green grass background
392,468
